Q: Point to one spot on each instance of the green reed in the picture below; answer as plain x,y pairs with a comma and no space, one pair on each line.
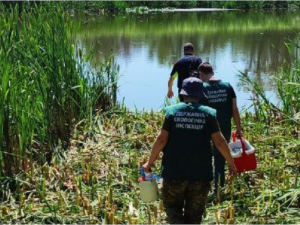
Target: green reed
96,180
272,190
286,85
44,88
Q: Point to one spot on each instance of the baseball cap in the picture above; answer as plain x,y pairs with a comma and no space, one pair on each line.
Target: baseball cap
193,87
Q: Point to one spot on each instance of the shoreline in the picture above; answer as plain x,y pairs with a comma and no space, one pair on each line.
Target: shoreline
195,10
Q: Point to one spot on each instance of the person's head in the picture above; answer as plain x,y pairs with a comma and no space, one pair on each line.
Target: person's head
188,49
205,71
192,90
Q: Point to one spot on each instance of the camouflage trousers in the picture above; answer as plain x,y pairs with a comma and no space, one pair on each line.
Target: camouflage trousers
184,201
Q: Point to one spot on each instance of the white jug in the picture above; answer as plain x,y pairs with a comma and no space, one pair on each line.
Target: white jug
149,190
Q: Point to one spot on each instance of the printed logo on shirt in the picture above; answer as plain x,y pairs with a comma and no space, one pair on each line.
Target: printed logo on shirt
189,120
217,96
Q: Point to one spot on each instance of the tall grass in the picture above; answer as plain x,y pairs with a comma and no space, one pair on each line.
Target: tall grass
286,84
273,190
45,89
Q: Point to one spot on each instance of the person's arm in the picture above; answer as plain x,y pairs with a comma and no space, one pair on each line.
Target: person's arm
170,93
158,146
236,118
221,144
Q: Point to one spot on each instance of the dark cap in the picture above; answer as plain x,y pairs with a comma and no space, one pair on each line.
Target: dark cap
193,87
205,68
187,46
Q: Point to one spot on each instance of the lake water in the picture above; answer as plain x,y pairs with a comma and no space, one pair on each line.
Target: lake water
147,45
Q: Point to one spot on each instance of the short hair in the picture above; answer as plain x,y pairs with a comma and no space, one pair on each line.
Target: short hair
188,46
205,68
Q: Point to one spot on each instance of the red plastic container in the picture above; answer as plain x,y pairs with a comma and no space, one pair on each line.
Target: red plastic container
245,162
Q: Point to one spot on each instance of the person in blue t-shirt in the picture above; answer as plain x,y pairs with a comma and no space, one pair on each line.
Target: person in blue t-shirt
220,96
185,67
187,170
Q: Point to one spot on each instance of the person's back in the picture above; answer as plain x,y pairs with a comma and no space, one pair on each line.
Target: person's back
185,139
185,67
187,155
219,96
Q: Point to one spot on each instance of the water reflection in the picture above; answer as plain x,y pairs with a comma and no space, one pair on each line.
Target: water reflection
147,45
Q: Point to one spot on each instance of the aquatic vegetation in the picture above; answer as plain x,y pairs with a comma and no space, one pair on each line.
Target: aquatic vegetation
51,103
45,90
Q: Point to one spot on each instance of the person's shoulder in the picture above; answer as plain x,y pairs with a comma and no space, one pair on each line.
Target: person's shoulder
224,83
228,84
181,60
195,57
208,110
172,109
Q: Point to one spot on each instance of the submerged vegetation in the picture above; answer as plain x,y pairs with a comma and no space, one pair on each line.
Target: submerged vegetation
70,154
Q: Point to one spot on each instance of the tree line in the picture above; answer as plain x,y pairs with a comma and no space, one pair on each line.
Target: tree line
123,5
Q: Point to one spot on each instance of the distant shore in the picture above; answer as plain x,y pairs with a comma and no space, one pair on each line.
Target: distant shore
146,9
195,9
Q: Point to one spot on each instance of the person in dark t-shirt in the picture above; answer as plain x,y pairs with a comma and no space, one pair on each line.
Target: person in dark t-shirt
185,67
187,169
220,96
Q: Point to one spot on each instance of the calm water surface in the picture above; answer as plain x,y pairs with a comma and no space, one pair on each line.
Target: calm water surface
147,45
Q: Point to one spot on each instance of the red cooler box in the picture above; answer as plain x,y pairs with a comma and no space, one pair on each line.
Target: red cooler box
243,155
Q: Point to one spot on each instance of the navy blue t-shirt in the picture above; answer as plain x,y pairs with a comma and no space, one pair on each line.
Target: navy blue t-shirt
184,67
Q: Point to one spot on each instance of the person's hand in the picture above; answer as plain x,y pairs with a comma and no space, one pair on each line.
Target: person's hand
239,134
170,94
147,167
232,171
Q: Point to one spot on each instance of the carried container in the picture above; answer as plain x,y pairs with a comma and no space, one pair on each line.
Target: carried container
243,154
149,190
236,148
148,186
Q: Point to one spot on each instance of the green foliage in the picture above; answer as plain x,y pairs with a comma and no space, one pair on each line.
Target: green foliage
287,88
122,5
44,91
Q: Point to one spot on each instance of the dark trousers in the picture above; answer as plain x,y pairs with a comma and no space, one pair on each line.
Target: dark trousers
184,201
180,96
219,176
219,164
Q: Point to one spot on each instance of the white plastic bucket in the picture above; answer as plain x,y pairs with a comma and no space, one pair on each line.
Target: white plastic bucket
149,190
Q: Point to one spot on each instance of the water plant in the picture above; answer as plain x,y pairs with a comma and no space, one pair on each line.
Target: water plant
48,104
45,90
